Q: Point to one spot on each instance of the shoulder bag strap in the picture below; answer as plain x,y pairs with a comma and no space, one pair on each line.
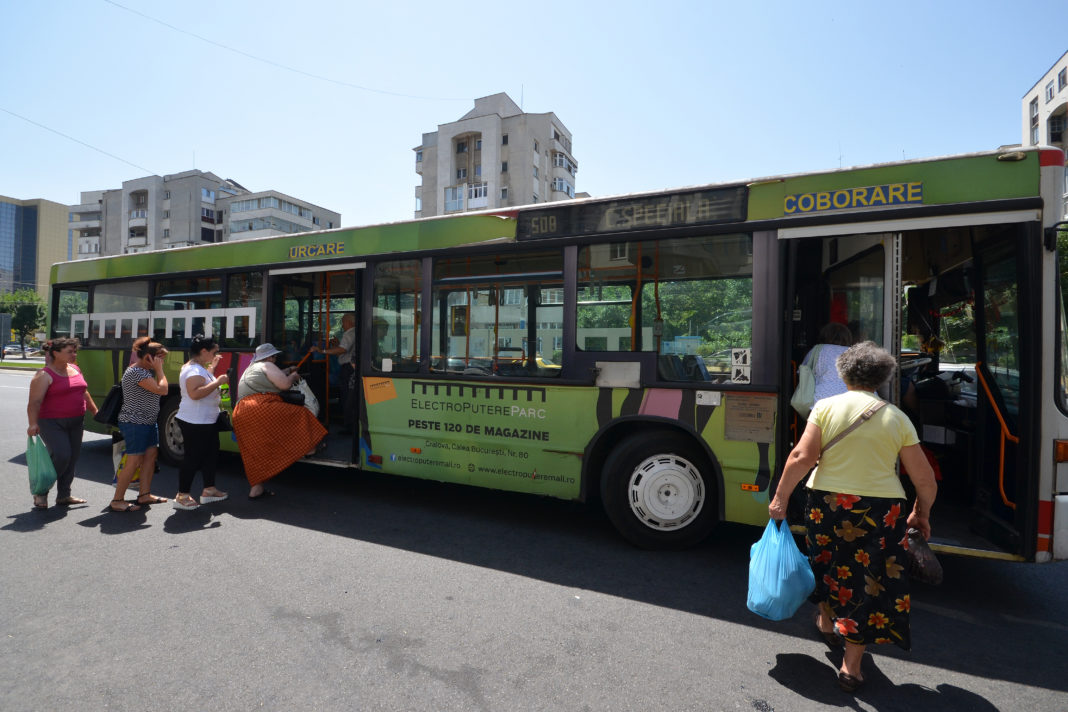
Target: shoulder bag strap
864,417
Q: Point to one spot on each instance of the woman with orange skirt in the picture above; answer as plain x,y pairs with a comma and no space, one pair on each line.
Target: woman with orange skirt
271,434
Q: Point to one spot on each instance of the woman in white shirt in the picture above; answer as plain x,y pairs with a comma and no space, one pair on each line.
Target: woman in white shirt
198,413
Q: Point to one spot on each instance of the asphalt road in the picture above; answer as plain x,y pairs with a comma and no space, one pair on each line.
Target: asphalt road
359,592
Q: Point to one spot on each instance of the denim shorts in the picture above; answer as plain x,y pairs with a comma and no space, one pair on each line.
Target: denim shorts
139,437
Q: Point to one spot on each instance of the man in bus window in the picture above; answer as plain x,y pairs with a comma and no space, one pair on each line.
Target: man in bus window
346,353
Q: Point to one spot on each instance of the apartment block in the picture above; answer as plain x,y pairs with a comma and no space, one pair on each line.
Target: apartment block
1045,111
494,156
183,209
33,237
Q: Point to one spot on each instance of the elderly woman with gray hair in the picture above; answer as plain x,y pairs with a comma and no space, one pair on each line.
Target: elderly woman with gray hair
855,510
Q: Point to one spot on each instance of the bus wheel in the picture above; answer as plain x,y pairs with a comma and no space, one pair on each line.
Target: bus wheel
655,491
171,443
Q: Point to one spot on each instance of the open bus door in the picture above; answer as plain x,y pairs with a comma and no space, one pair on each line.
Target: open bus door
1004,503
947,303
306,310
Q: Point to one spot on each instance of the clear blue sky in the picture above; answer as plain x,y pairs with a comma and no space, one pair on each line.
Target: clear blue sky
656,95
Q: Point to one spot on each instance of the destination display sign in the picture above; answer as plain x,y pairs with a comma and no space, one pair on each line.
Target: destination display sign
702,207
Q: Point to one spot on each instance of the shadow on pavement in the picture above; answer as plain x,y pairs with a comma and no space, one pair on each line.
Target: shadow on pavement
574,545
806,676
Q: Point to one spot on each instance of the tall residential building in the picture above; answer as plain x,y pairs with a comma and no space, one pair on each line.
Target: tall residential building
494,156
183,209
1045,111
33,237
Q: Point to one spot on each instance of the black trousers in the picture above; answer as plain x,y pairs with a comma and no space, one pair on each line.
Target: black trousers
201,453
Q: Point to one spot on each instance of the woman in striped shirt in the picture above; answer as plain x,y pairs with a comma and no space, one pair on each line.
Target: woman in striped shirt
142,385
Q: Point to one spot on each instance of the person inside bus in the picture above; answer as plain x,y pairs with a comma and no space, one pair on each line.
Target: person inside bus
345,350
142,385
833,340
855,509
271,434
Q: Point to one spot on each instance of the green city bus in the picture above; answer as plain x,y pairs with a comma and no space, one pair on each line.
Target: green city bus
641,350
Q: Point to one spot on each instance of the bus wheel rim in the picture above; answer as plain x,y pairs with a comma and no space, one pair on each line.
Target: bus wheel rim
173,433
666,492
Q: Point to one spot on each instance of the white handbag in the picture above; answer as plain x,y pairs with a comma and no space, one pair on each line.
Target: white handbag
310,401
804,396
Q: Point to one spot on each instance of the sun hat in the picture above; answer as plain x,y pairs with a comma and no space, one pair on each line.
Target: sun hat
264,351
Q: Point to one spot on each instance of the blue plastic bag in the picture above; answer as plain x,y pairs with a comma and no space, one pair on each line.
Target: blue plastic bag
39,464
780,577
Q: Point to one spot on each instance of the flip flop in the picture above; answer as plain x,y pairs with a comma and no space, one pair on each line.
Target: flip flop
262,495
208,499
130,507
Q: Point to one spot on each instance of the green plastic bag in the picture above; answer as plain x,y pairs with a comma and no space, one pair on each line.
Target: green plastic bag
39,463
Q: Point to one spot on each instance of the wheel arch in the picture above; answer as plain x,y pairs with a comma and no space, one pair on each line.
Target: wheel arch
600,447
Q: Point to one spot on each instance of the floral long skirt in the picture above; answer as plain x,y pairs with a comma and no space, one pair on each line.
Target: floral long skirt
857,549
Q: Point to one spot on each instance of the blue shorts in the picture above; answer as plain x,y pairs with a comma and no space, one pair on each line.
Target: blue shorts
139,437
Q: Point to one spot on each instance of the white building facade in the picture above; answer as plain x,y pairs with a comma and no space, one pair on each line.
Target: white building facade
1045,112
189,208
494,156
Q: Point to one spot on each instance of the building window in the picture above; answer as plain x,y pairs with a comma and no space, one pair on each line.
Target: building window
504,194
535,147
504,140
166,232
418,156
166,195
315,221
461,173
1034,121
564,187
461,146
1062,79
478,171
418,203
454,199
535,171
166,214
504,166
476,190
478,144
207,215
1049,92
1056,129
207,196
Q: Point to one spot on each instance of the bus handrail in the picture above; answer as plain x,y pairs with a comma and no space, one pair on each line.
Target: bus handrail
1004,434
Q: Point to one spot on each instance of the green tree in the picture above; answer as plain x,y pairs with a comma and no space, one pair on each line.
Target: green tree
27,313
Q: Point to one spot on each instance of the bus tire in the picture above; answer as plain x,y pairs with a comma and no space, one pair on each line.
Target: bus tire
657,490
171,443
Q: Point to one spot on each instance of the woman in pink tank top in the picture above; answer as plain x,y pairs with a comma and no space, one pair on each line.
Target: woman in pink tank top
59,398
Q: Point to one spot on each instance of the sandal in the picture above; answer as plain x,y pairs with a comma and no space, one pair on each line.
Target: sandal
130,507
848,683
830,639
186,502
152,499
40,501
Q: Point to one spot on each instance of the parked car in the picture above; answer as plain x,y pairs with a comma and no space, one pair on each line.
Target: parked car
12,350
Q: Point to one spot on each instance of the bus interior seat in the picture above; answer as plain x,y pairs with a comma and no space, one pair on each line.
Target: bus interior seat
669,368
694,367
